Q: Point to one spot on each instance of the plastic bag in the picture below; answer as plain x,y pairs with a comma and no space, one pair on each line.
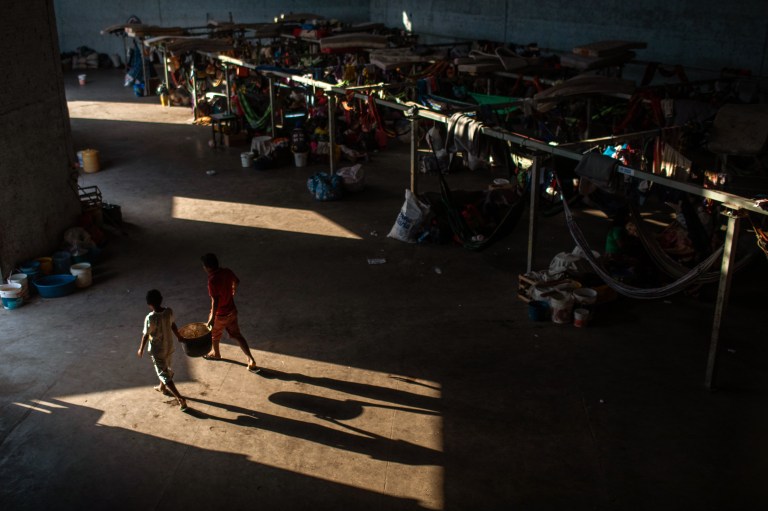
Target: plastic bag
410,220
353,177
325,187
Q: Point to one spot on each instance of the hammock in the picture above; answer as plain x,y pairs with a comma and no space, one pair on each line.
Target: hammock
253,118
668,264
492,101
631,291
468,237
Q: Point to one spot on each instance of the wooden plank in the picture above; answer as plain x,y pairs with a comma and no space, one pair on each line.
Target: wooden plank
607,48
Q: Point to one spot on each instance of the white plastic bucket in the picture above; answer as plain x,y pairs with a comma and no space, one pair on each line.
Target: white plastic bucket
300,159
10,295
562,307
83,273
81,79
10,290
585,296
23,279
246,159
580,318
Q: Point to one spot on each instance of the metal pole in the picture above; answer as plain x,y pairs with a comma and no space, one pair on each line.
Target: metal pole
332,131
165,69
723,291
144,70
193,78
533,212
226,89
272,107
414,121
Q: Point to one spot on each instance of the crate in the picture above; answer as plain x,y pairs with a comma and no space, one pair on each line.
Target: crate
90,198
524,285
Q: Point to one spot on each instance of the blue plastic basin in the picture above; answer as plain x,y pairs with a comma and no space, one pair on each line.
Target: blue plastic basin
54,286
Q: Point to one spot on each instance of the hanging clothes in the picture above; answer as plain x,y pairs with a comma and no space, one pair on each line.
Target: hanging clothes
673,164
464,134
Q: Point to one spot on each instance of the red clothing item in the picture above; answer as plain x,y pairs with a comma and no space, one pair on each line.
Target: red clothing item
221,286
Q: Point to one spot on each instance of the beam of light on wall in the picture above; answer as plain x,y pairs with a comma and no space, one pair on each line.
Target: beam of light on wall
407,23
261,217
131,112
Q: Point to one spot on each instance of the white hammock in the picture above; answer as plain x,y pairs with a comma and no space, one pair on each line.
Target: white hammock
631,291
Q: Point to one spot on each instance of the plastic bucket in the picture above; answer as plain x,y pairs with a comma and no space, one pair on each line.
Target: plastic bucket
585,296
246,159
30,267
112,213
538,310
562,307
21,278
580,318
81,256
46,265
61,262
83,273
10,295
300,159
10,290
196,339
81,79
90,160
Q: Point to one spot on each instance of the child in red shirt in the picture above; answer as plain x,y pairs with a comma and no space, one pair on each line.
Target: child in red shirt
222,285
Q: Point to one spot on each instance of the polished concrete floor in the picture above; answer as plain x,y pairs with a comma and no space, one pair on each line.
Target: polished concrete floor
420,383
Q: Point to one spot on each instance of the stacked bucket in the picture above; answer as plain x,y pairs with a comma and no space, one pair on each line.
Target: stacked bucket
31,276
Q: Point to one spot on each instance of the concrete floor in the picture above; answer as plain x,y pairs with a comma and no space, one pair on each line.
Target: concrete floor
416,384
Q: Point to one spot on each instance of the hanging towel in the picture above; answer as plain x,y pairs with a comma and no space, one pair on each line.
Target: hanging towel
463,134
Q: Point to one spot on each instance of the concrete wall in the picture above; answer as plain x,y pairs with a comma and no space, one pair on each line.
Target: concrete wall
38,192
80,22
705,34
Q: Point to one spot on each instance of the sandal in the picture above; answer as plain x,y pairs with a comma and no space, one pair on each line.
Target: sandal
211,357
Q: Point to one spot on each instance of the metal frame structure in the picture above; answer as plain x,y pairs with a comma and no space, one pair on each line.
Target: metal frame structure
735,205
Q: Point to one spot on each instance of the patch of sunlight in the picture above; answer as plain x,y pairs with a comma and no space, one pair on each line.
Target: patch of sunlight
594,212
46,403
132,112
35,408
262,217
381,441
656,222
600,214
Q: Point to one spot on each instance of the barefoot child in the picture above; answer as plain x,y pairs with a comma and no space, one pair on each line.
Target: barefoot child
158,326
222,285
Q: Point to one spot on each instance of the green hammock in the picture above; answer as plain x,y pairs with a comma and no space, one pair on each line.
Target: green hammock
488,99
250,114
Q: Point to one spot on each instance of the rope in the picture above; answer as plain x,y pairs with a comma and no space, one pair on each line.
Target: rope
762,237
